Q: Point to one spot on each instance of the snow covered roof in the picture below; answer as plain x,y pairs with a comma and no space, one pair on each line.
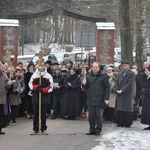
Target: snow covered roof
9,22
105,25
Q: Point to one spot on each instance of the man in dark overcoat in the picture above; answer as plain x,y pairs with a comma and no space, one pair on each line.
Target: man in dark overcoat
124,89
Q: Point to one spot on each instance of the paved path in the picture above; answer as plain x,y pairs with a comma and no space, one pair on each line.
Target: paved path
71,135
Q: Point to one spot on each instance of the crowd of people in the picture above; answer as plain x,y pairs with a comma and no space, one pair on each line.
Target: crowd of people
68,91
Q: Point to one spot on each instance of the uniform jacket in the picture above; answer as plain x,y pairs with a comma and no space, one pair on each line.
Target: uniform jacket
47,83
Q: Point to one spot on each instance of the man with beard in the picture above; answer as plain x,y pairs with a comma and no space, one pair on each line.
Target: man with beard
98,90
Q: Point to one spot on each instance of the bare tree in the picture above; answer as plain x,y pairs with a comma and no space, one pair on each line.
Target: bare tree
125,31
140,31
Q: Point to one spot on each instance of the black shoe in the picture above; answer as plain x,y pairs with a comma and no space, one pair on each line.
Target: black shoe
148,128
127,126
120,125
90,133
97,133
2,132
14,121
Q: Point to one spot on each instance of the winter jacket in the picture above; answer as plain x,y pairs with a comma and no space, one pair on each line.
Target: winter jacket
60,81
47,86
3,86
98,88
14,93
126,83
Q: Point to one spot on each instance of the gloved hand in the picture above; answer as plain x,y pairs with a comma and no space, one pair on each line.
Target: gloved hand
40,86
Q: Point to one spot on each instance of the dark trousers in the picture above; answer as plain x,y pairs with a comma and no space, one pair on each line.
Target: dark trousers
57,105
49,106
14,111
95,118
1,116
83,101
36,117
29,104
22,107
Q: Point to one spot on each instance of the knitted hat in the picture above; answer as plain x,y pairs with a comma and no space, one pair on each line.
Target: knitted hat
116,69
19,63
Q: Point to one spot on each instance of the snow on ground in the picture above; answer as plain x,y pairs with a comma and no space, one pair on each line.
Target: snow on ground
32,48
134,138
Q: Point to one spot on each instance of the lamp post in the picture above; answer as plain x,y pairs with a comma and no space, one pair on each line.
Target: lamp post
22,37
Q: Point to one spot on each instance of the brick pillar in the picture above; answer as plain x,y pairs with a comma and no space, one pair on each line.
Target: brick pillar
9,39
105,42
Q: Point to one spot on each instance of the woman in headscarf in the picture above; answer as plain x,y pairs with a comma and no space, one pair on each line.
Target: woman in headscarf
72,86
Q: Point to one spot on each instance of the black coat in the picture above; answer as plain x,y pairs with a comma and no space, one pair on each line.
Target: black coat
60,80
72,95
145,118
27,77
98,88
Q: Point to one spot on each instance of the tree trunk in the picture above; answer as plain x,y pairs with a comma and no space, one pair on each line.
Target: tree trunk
125,31
140,32
55,16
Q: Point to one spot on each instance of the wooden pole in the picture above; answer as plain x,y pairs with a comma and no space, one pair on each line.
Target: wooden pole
85,59
40,55
11,62
40,103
